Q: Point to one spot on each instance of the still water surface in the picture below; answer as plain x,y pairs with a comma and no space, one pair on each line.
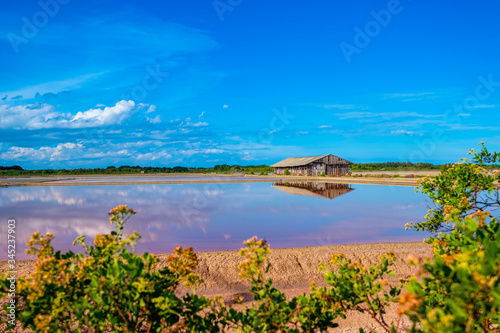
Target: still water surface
216,216
139,179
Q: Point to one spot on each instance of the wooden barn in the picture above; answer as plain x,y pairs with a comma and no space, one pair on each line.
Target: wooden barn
330,164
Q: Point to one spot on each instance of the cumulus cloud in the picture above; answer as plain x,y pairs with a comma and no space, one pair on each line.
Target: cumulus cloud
30,116
155,120
345,107
38,116
484,106
192,152
213,151
198,124
69,152
154,156
404,95
58,153
404,132
370,116
225,106
107,116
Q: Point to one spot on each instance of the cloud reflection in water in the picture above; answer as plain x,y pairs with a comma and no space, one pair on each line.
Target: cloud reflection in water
215,216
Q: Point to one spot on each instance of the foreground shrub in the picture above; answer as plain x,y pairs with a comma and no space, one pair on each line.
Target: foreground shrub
271,311
359,288
108,287
460,288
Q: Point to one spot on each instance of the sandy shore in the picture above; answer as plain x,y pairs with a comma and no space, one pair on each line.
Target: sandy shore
358,177
292,271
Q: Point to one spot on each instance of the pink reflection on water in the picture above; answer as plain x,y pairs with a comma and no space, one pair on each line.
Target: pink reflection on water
215,216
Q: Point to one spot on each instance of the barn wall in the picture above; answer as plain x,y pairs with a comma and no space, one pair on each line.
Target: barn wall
315,169
330,165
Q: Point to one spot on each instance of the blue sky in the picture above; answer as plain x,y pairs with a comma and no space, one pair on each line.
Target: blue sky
199,83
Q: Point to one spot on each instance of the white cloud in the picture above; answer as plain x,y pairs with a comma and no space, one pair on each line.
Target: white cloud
225,106
405,95
213,151
345,107
31,116
198,124
463,127
404,132
325,126
22,153
107,116
58,153
155,120
373,116
38,116
192,152
483,106
152,108
302,133
154,156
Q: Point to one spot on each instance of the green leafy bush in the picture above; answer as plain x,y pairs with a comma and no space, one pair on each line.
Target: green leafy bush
109,287
359,288
460,286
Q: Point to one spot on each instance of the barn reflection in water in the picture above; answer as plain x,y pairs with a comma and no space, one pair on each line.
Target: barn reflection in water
315,189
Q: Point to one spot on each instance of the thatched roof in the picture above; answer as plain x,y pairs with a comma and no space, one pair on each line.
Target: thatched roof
299,161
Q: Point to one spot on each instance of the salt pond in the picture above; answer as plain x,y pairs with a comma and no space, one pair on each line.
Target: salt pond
138,179
217,216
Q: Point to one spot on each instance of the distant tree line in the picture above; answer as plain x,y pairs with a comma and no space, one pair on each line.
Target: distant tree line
127,169
14,167
263,169
394,166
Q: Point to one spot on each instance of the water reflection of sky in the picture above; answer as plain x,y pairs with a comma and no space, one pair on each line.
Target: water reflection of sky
150,179
213,216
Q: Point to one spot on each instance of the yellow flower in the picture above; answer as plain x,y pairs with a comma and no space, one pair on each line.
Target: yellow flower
336,257
408,302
